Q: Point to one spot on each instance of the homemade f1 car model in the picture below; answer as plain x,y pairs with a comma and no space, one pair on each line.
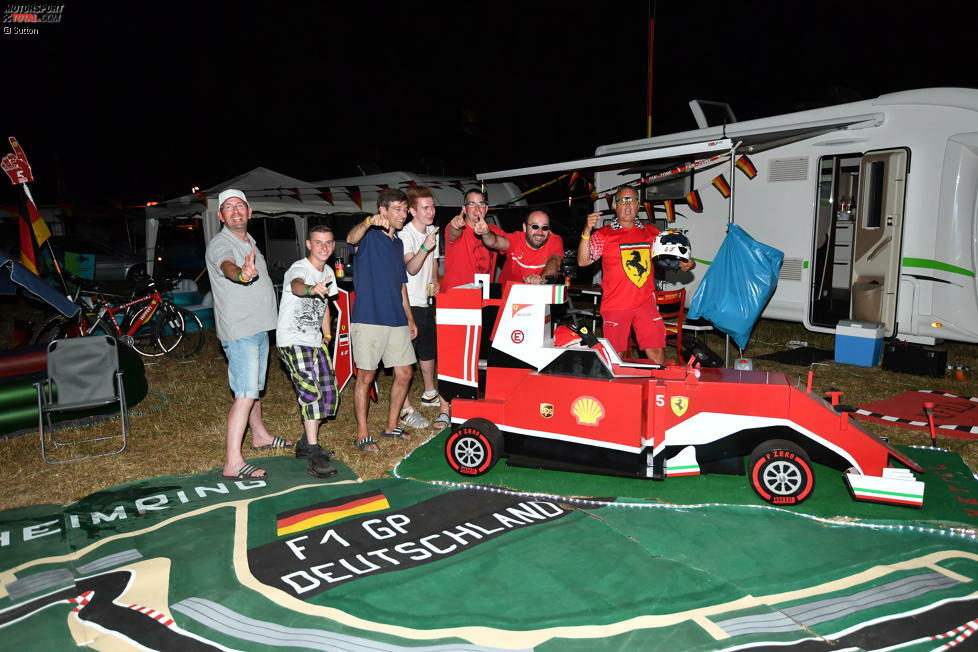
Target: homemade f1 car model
555,396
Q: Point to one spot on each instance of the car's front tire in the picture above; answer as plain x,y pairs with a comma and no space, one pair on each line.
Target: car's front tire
474,447
781,473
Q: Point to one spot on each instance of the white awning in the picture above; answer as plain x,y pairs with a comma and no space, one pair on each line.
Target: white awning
752,136
710,147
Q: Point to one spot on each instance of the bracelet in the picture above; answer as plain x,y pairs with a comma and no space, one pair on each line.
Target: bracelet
308,288
241,279
425,249
585,237
369,221
327,337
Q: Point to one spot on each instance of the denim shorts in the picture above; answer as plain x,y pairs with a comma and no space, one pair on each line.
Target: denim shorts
247,364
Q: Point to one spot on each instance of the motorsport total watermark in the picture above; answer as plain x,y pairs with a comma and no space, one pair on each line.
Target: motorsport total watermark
25,19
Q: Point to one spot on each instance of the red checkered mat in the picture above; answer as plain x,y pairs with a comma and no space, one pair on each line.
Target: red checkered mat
954,416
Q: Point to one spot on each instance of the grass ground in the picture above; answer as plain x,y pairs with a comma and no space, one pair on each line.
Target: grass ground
180,427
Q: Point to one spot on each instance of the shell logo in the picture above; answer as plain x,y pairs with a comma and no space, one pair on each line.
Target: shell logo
587,410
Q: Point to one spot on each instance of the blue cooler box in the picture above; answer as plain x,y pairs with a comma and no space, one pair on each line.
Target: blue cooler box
858,343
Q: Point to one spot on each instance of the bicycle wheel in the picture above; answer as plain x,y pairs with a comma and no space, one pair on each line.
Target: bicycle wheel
145,340
55,328
181,334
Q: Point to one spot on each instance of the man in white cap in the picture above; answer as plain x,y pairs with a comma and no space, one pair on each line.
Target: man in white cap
244,312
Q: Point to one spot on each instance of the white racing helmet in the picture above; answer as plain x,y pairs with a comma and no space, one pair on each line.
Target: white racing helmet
671,248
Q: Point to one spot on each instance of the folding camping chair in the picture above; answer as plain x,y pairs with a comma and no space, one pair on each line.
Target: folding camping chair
672,307
83,375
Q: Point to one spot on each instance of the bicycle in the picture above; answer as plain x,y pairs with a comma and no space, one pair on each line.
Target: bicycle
150,323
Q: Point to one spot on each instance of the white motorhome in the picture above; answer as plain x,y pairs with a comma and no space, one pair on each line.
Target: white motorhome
874,204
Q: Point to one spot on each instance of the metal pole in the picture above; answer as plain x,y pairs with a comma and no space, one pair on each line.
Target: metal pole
730,220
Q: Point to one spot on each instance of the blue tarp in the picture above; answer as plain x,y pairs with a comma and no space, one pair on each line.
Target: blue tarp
13,274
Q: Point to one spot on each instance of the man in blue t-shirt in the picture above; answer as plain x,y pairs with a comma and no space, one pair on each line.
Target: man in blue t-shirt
382,325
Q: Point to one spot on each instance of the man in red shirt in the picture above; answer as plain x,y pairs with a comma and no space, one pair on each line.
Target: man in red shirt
465,253
531,254
627,278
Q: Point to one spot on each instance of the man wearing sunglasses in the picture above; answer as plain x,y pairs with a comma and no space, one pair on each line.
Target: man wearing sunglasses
465,252
531,254
624,248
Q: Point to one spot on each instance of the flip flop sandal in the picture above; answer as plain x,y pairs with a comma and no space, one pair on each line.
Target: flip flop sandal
396,433
277,442
363,445
442,419
247,471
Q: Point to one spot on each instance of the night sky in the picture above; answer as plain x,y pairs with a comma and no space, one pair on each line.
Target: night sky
141,100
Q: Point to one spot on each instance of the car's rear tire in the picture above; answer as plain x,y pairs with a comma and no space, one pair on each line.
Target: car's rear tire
474,447
780,473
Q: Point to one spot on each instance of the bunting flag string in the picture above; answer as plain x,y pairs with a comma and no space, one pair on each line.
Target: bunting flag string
694,202
327,196
720,183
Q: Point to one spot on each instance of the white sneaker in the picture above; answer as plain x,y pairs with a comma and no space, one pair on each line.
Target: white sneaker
413,419
430,401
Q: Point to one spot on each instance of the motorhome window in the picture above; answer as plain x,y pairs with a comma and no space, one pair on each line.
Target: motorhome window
674,188
874,206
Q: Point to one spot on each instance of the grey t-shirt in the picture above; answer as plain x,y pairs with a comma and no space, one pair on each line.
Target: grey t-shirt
239,310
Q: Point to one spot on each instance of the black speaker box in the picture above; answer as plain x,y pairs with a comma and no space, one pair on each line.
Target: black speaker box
914,359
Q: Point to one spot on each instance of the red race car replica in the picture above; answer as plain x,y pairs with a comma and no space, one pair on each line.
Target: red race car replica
554,396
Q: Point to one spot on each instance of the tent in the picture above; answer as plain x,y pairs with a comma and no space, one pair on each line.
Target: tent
270,194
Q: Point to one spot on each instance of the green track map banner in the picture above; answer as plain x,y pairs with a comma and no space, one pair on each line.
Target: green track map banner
207,563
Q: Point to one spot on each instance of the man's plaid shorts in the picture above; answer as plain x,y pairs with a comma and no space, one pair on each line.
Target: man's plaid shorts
312,375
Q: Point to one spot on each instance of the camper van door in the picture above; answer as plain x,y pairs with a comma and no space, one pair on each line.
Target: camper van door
877,237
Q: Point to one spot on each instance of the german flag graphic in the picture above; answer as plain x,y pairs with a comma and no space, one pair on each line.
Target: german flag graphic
745,165
720,183
306,518
670,210
694,202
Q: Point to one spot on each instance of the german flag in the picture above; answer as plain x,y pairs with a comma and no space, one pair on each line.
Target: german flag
670,210
610,198
312,516
720,183
649,211
32,233
694,202
354,192
745,165
41,230
574,178
327,195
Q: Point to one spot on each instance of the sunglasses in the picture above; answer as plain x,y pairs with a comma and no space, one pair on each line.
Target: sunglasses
627,200
537,226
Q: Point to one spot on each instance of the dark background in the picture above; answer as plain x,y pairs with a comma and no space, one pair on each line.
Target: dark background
141,101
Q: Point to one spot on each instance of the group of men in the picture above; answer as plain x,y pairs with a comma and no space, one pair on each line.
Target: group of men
393,323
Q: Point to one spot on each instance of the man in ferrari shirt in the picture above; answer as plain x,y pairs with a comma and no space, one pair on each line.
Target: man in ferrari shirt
624,248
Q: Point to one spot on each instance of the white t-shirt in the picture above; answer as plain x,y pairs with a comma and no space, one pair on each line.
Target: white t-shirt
300,319
417,285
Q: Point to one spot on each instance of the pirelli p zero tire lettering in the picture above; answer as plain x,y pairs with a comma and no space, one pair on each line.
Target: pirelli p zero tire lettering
781,473
473,448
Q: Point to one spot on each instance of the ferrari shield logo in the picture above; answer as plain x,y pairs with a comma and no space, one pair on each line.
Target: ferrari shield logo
679,405
546,410
636,260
